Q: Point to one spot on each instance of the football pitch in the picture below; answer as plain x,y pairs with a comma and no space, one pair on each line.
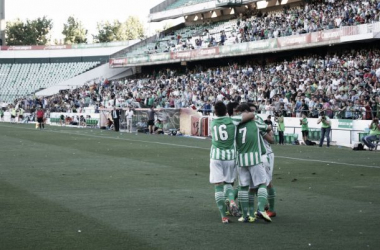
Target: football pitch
70,188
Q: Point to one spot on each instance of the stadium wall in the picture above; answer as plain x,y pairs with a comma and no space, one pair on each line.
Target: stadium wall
344,132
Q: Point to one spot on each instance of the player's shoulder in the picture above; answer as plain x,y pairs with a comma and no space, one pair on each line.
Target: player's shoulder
247,124
222,119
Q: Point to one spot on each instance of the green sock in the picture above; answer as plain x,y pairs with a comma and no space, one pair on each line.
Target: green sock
262,195
229,192
236,190
243,199
251,200
220,200
271,198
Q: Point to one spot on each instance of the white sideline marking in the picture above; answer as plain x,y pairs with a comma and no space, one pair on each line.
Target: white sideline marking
110,137
187,146
331,162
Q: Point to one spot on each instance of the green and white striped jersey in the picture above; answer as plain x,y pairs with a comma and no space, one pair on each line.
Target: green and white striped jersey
250,144
223,131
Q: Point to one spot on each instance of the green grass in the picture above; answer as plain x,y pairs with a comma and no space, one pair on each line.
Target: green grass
126,191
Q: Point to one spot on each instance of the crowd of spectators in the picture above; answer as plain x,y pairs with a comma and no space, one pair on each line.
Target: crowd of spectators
259,24
344,86
311,17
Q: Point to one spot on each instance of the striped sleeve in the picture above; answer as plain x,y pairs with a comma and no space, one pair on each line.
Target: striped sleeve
236,120
262,126
259,119
263,133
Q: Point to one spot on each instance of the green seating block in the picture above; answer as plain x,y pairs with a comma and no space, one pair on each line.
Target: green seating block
288,138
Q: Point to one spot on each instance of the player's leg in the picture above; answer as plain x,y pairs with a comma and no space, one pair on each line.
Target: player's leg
229,192
244,201
230,176
217,178
260,179
245,180
251,201
219,199
271,190
271,200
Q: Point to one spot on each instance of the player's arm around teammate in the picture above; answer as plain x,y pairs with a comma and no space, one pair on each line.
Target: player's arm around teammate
251,170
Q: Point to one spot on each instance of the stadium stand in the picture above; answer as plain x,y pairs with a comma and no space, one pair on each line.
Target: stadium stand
345,85
19,80
260,24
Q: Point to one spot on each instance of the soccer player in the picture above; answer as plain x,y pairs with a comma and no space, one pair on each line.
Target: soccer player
268,161
251,169
40,118
20,114
304,127
222,157
13,115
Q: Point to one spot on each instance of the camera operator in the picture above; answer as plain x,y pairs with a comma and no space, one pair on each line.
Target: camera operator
326,128
373,134
279,118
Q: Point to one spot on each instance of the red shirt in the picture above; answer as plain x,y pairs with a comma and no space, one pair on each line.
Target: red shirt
40,114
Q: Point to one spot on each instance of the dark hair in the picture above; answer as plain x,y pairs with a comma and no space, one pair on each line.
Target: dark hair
243,108
230,107
220,109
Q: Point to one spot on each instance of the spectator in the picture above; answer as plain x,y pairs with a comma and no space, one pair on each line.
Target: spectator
373,134
158,127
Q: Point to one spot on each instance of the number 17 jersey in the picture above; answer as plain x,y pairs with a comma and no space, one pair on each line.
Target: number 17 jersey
223,131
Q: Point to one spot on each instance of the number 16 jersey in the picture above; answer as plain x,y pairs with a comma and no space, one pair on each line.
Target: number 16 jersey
223,131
